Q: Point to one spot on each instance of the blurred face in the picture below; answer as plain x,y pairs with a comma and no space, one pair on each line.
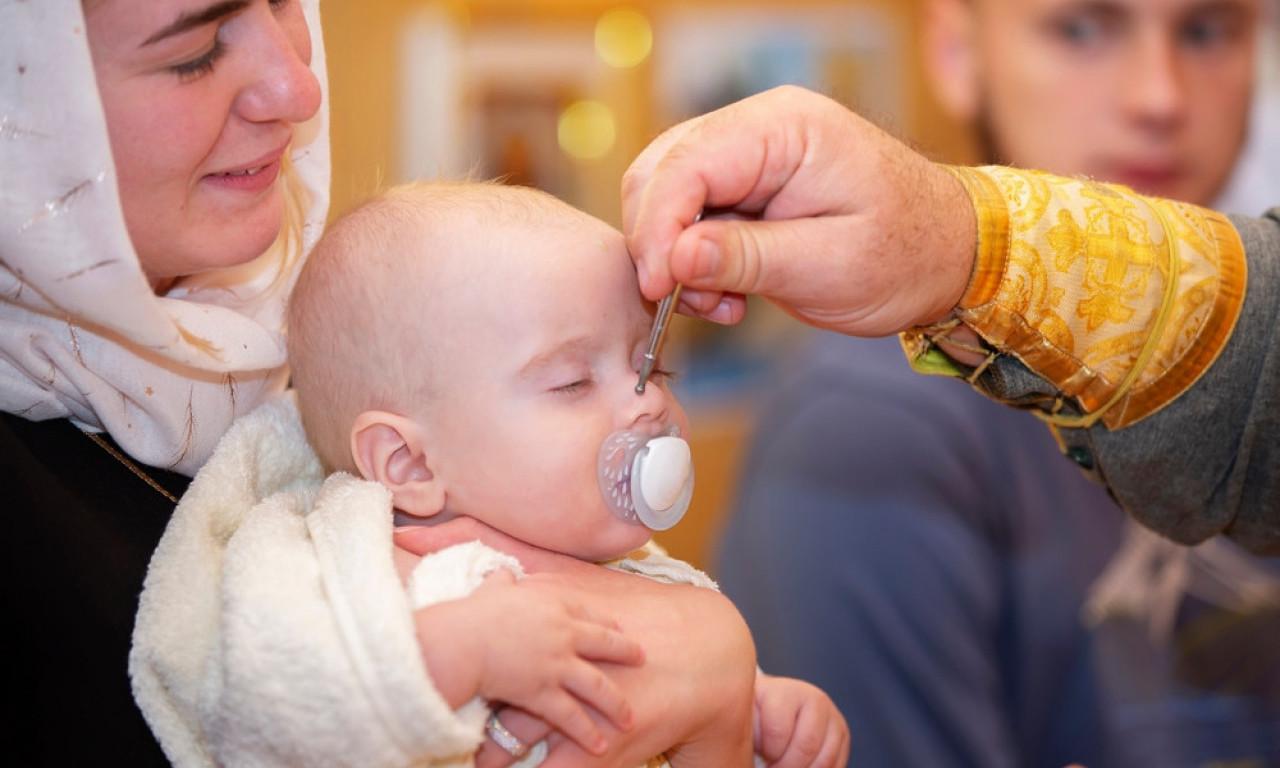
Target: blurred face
200,99
543,370
1149,93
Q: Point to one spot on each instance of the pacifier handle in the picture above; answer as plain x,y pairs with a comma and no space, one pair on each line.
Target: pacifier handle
662,482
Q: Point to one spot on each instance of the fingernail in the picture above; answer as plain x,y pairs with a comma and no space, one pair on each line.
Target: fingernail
642,273
723,313
706,261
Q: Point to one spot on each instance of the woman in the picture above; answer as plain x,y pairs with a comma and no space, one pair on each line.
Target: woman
151,230
129,343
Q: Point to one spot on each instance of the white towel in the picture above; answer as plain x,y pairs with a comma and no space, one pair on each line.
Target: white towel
271,633
273,629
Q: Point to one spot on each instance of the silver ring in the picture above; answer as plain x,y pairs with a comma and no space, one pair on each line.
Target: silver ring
504,738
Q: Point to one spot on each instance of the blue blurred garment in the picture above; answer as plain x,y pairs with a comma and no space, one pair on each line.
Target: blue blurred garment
923,554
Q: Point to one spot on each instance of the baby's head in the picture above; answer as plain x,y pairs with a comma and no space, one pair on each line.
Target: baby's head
471,346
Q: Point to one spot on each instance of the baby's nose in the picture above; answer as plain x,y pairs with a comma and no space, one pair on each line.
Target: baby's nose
649,410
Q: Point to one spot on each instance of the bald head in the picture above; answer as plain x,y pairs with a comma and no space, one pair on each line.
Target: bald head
387,281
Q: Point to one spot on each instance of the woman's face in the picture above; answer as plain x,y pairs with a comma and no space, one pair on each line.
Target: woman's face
200,99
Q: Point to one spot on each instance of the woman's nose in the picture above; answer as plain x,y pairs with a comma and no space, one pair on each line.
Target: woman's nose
282,86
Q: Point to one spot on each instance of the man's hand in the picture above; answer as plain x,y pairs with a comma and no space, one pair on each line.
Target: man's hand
838,223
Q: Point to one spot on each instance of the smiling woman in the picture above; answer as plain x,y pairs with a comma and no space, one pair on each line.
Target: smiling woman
200,109
152,152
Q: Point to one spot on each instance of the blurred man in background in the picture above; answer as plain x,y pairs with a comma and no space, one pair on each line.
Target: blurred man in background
959,588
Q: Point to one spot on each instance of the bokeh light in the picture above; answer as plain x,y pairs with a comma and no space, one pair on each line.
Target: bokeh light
587,130
623,37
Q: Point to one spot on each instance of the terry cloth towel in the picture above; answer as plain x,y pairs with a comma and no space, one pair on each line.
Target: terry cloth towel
273,628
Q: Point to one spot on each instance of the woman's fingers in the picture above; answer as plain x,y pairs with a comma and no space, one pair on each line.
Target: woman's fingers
526,728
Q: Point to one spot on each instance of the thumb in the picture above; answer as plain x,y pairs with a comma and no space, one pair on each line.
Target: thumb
718,256
744,256
809,267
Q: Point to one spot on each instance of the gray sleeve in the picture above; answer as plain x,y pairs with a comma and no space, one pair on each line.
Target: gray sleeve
1209,462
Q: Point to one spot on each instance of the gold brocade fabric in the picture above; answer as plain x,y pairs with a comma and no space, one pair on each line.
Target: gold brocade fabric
1120,301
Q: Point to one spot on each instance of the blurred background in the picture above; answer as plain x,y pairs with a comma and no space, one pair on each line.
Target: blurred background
562,94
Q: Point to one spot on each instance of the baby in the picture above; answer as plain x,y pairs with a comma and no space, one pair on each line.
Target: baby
471,347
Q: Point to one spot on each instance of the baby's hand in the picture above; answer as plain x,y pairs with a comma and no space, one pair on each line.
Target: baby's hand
798,725
517,643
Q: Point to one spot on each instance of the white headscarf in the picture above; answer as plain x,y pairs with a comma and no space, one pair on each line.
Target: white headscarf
82,335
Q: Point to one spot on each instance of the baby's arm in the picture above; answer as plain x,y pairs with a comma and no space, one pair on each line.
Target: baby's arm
514,642
797,725
695,688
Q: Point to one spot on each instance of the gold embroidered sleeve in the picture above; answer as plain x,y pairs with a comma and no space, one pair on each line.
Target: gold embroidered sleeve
1119,301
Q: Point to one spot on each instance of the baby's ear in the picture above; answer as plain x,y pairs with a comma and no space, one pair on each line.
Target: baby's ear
392,450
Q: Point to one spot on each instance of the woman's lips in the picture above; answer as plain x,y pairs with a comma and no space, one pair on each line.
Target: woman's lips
249,180
255,176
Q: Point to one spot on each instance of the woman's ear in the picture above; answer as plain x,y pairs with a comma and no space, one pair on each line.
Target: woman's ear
392,449
951,56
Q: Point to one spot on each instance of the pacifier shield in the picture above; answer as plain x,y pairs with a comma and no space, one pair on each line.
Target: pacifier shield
646,479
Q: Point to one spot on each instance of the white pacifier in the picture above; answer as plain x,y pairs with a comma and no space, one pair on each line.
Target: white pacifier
646,478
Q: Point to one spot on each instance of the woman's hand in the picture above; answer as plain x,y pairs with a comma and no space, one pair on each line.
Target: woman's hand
693,696
810,206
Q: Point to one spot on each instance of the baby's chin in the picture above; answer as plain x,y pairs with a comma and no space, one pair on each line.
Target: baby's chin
615,540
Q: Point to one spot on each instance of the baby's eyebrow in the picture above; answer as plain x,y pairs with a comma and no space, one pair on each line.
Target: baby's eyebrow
579,345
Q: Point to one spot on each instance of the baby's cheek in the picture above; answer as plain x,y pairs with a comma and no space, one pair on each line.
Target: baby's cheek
680,418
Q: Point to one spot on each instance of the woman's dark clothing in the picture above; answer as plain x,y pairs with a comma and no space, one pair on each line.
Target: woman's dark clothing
81,527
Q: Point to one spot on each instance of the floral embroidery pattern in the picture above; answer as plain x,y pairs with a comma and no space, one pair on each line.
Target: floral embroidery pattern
1073,278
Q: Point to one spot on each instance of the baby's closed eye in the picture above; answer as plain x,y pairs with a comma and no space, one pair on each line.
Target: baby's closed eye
576,386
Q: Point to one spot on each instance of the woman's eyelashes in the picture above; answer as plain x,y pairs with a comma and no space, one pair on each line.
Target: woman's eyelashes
201,65
204,64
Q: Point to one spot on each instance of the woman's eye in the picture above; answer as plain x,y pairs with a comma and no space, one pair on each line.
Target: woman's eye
199,66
